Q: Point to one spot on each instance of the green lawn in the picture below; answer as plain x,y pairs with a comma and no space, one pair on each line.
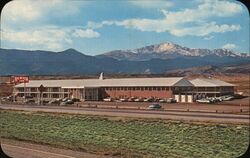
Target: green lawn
111,135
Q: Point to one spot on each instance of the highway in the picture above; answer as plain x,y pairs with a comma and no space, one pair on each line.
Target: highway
172,115
20,149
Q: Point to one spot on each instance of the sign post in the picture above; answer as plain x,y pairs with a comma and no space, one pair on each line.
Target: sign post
41,90
17,80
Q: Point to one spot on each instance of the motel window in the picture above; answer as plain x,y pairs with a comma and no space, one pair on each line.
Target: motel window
125,88
21,89
150,88
33,95
118,88
158,88
55,89
45,95
146,88
142,88
66,95
133,88
122,88
55,95
65,90
129,88
20,94
154,88
137,88
32,89
183,88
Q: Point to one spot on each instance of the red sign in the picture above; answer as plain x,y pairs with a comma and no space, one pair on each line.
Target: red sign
19,79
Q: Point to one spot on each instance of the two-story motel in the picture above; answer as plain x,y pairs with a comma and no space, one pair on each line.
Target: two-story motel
180,88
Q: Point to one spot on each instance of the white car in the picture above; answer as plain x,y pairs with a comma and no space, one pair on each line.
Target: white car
123,99
148,99
203,100
138,100
107,99
226,98
171,100
162,101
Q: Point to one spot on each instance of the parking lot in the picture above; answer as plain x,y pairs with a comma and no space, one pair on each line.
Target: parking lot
230,106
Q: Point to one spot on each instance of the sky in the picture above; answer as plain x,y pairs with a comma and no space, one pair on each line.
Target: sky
95,27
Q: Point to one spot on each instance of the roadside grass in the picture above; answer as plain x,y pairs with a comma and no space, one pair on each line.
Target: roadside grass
126,136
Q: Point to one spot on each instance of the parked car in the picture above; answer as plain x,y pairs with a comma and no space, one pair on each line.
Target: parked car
138,99
154,106
75,100
227,97
238,96
162,101
148,99
59,99
219,99
203,100
54,101
65,99
171,100
131,99
107,99
8,98
30,101
215,99
28,97
156,99
68,102
123,99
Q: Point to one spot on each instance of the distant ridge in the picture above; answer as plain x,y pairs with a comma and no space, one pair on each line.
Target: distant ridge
154,59
167,50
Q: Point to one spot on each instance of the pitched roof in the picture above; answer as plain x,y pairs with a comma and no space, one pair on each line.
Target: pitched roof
133,82
200,82
126,82
53,83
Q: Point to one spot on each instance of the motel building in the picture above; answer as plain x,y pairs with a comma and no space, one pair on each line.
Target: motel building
179,88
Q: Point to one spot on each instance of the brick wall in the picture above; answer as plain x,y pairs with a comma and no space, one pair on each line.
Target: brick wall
138,93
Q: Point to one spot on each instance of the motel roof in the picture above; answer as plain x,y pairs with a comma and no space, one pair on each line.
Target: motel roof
123,82
53,83
202,82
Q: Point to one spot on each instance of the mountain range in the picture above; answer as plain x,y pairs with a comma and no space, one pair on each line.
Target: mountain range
168,50
153,59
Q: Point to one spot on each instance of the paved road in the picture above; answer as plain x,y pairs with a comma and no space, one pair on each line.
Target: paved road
18,149
174,115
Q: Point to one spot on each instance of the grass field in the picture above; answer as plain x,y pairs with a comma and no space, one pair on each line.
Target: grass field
126,136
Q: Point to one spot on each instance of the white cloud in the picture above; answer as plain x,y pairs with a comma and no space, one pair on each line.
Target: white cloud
46,37
152,4
20,10
229,46
88,33
30,10
208,37
178,22
204,30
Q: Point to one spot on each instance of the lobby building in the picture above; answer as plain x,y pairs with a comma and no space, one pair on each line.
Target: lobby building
179,88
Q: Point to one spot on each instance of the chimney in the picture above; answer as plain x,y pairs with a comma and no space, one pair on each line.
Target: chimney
101,76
